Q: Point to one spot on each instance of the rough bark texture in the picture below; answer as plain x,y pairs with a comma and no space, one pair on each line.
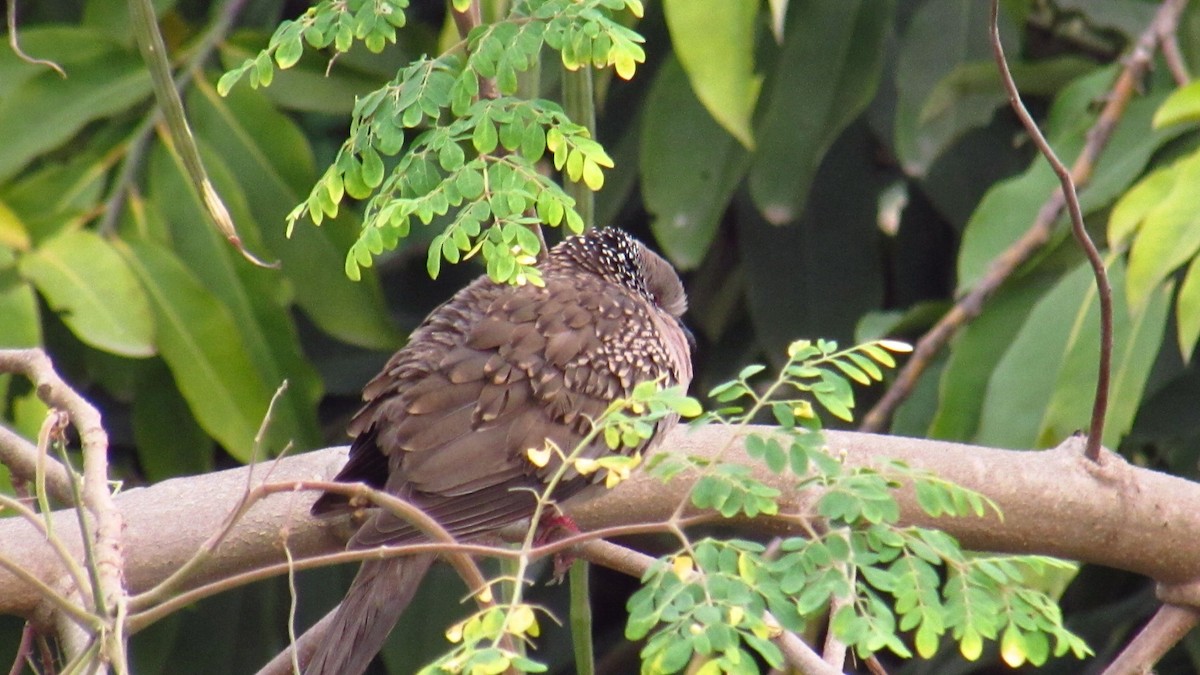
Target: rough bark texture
1054,502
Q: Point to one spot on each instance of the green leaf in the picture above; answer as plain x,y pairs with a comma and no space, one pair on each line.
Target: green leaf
1169,235
1131,209
974,88
84,279
1042,389
942,35
251,294
42,111
484,137
22,326
975,353
727,86
689,168
198,339
264,148
825,75
169,441
1183,105
1187,311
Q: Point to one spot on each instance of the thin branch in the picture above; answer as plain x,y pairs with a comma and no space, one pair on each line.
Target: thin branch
24,651
53,597
1168,29
64,556
970,305
444,543
1103,288
1166,628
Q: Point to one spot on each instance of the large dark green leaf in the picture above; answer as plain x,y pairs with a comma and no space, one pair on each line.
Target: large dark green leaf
975,353
689,166
52,197
91,287
942,35
46,110
1042,389
257,298
825,74
169,441
817,276
200,341
265,152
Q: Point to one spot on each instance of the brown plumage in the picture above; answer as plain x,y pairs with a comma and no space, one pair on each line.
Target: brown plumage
493,372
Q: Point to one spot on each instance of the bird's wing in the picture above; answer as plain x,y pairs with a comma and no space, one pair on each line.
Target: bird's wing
534,365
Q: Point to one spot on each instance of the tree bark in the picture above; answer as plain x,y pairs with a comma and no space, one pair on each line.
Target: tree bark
1054,502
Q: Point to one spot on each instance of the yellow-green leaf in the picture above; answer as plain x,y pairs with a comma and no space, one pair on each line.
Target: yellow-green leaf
1183,105
90,286
727,86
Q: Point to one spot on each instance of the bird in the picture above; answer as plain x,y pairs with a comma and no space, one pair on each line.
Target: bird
494,372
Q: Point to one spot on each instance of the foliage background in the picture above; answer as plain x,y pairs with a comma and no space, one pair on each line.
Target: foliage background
864,170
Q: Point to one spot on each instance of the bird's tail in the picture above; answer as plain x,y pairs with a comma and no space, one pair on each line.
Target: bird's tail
376,599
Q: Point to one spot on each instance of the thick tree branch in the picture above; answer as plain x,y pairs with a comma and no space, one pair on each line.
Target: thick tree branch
1143,521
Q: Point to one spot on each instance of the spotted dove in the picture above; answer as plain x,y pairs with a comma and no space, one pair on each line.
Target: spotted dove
492,373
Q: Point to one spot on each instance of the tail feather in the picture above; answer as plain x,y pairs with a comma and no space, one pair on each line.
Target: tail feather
376,599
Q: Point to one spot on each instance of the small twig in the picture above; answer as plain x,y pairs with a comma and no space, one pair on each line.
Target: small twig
875,666
72,566
1103,289
59,601
243,505
443,543
970,305
16,46
1166,628
1167,23
24,651
293,597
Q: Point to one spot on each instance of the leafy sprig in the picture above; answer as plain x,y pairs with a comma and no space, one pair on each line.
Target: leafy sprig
471,164
883,581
